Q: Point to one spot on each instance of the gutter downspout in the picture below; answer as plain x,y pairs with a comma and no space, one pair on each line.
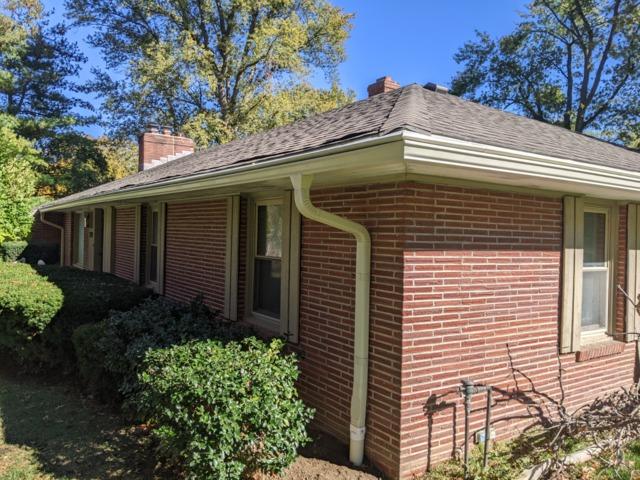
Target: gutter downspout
301,187
59,227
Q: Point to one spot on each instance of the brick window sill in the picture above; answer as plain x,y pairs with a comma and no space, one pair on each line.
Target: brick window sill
599,350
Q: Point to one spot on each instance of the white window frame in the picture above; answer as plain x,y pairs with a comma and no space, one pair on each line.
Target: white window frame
151,209
79,263
287,324
601,334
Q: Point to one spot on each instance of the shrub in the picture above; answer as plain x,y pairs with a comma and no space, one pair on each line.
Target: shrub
115,349
225,411
91,361
28,303
11,251
88,297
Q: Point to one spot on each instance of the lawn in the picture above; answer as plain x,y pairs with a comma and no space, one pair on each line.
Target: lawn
50,432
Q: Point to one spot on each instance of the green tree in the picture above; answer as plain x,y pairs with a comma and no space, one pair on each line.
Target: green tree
17,181
212,68
573,63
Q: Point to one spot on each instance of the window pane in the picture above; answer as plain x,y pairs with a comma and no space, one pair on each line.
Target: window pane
154,228
266,291
153,263
269,231
594,299
595,234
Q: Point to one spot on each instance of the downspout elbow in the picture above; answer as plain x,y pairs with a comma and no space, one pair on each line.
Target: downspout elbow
60,228
302,187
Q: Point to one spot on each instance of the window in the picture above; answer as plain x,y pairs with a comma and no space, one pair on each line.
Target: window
268,261
590,239
273,265
154,231
595,272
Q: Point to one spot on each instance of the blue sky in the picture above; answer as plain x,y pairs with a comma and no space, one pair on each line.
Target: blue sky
412,40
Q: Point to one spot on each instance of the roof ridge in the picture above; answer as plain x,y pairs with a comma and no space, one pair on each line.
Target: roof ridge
406,112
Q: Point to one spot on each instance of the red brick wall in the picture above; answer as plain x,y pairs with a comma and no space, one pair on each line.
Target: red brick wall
43,234
124,243
481,301
326,316
144,213
195,249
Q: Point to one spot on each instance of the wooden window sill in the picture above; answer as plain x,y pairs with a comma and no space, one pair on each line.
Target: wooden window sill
599,350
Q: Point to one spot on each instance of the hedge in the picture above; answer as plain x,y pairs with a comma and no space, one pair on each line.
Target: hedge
224,411
109,353
11,251
28,304
80,296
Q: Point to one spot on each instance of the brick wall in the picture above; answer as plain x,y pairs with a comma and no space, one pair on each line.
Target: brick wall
43,234
481,301
195,251
144,215
326,316
124,243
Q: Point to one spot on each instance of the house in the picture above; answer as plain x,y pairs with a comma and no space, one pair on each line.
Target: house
401,243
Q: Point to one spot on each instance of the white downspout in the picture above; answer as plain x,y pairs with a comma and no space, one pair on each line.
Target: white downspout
301,187
59,227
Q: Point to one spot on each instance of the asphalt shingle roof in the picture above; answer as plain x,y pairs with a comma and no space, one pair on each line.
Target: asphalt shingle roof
412,108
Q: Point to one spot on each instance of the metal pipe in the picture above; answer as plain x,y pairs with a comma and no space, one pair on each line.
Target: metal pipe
487,428
301,194
468,388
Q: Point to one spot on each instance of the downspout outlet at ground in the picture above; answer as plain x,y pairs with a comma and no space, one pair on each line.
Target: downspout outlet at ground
301,189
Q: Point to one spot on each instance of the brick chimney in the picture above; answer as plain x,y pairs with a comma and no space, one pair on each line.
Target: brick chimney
382,85
158,145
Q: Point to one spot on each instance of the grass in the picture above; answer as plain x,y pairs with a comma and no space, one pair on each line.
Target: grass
506,460
49,432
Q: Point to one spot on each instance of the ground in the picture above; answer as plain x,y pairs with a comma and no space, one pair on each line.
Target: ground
50,432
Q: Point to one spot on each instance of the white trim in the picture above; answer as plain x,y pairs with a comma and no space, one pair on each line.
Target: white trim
449,157
231,258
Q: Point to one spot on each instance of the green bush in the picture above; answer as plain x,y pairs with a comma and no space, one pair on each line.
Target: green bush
91,361
225,411
12,251
88,298
28,304
110,353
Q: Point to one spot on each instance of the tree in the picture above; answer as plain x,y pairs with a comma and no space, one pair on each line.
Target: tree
572,63
210,68
17,181
37,67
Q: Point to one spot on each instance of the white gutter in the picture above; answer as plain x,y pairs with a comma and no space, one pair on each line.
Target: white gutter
59,227
301,188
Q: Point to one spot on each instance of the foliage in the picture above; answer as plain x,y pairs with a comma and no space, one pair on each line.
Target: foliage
109,353
75,162
37,63
17,181
11,251
28,304
211,69
121,156
568,62
248,419
88,297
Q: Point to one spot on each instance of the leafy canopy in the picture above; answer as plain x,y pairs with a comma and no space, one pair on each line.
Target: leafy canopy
18,178
214,69
573,63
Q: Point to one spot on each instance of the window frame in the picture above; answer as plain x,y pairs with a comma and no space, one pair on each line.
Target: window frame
157,284
77,260
572,337
601,334
287,324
